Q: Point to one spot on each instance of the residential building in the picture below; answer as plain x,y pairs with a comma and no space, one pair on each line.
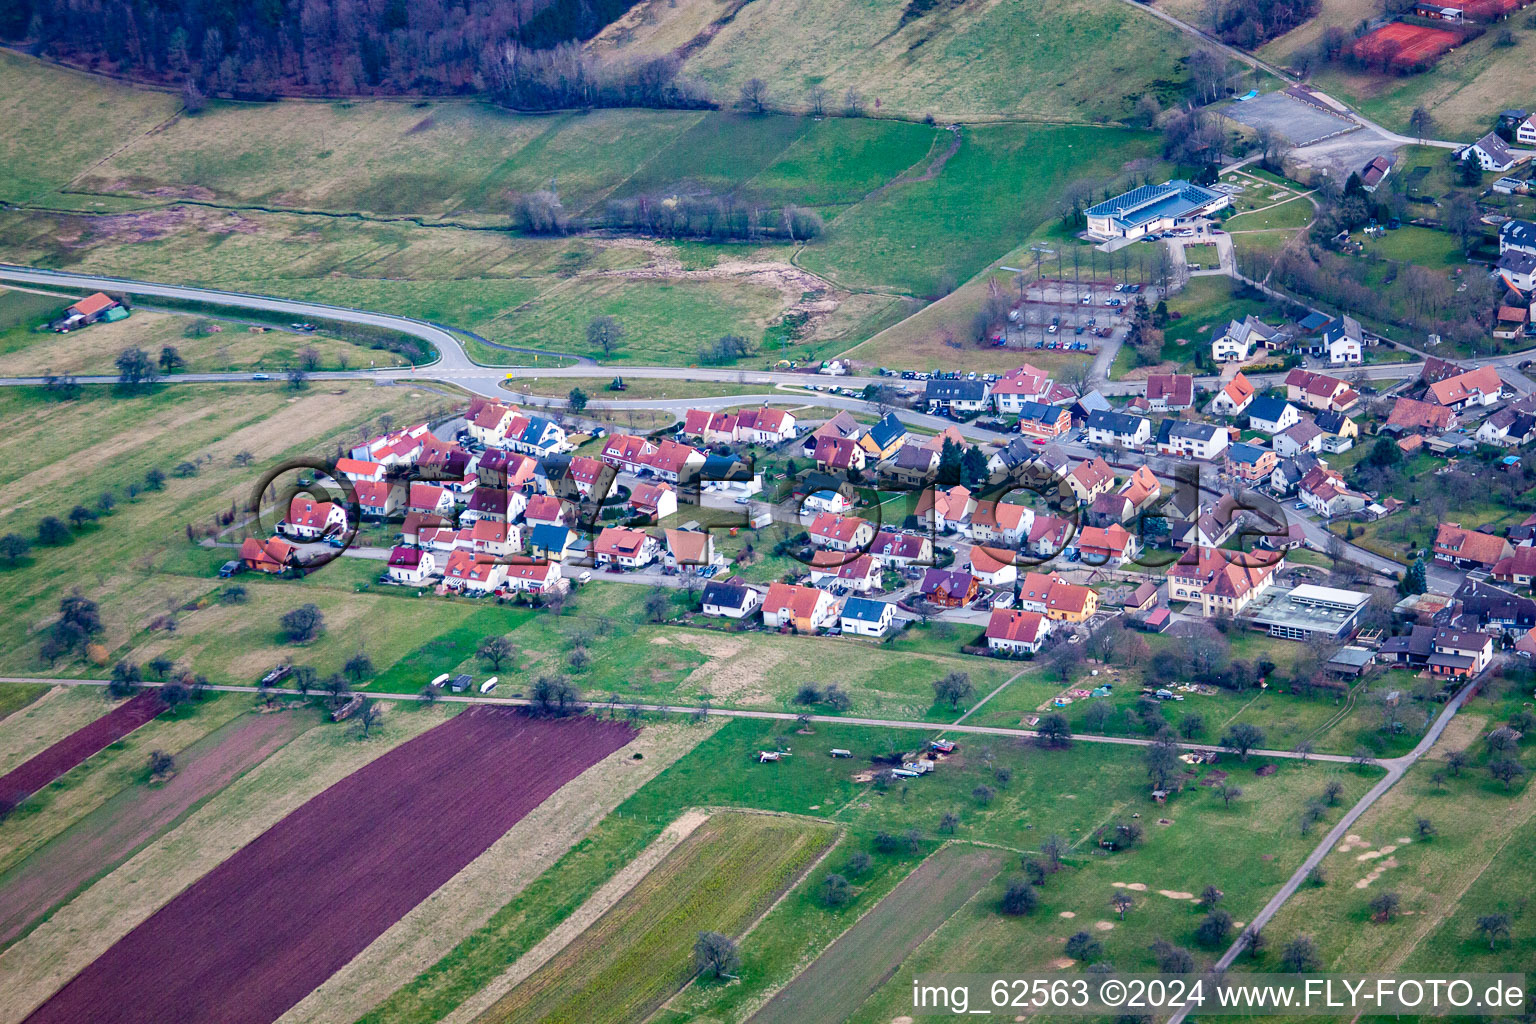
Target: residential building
948,588
1153,208
1324,491
1518,271
860,573
1305,436
1068,602
411,566
913,466
1021,386
674,462
1319,391
1111,545
1477,387
1411,415
1483,605
473,575
1000,522
1517,236
547,509
945,509
1141,488
1251,463
1491,153
1469,549
729,600
885,438
534,577
1110,508
690,549
1118,430
825,502
654,499
1242,337
842,424
1515,424
497,504
840,533
378,499
272,555
1017,632
89,310
1460,652
902,549
803,609
1342,342
1195,440
490,538
1170,392
863,616
1234,397
1048,536
628,453
1089,479
309,520
993,567
619,547
358,470
549,542
1036,419
956,396
1272,415
586,477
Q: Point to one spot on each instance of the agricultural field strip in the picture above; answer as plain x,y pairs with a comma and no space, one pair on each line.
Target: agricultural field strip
686,709
571,928
629,961
464,903
838,981
111,833
359,828
86,926
42,723
35,773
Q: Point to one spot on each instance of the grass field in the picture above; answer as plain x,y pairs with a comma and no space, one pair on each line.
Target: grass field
721,879
906,67
1464,91
27,348
1291,214
834,985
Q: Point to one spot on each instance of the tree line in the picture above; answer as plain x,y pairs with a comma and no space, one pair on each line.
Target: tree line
718,218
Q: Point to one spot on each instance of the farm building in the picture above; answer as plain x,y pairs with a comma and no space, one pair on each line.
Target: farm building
89,310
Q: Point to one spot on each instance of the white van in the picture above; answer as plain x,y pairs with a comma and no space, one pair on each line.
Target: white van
488,685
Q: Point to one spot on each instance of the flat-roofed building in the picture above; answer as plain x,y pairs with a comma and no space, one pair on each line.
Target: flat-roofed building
1306,611
1153,208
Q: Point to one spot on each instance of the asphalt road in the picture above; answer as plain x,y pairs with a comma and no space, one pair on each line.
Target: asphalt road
1395,767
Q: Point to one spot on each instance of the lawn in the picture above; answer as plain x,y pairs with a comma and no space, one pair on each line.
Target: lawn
27,348
1205,306
1426,247
623,966
18,698
1292,214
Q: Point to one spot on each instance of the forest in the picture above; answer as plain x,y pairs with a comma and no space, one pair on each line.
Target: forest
269,48
1250,23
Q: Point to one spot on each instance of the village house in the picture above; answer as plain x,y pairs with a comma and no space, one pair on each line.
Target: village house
546,509
1113,545
309,520
690,549
1319,391
496,504
1014,632
842,424
945,509
803,609
1305,436
472,575
763,425
1491,153
1108,509
628,453
492,538
1342,341
1088,479
1337,426
1036,419
1000,522
885,438
512,470
840,533
1469,549
1460,652
538,437
829,501
1517,270
378,499
657,500
1251,463
902,549
358,470
1048,536
1142,488
864,616
1482,605
1069,602
1477,387
729,600
1242,337
489,422
955,396
411,566
674,462
839,454
398,448
1170,392
272,556
1515,424
948,588
993,567
550,543
1324,492
586,476
430,499
1118,430
1234,397
1409,414
1272,415
1517,236
1025,385
1194,440
860,574
913,466
619,547
534,577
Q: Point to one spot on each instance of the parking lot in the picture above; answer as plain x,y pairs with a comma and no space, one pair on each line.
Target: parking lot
1070,315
